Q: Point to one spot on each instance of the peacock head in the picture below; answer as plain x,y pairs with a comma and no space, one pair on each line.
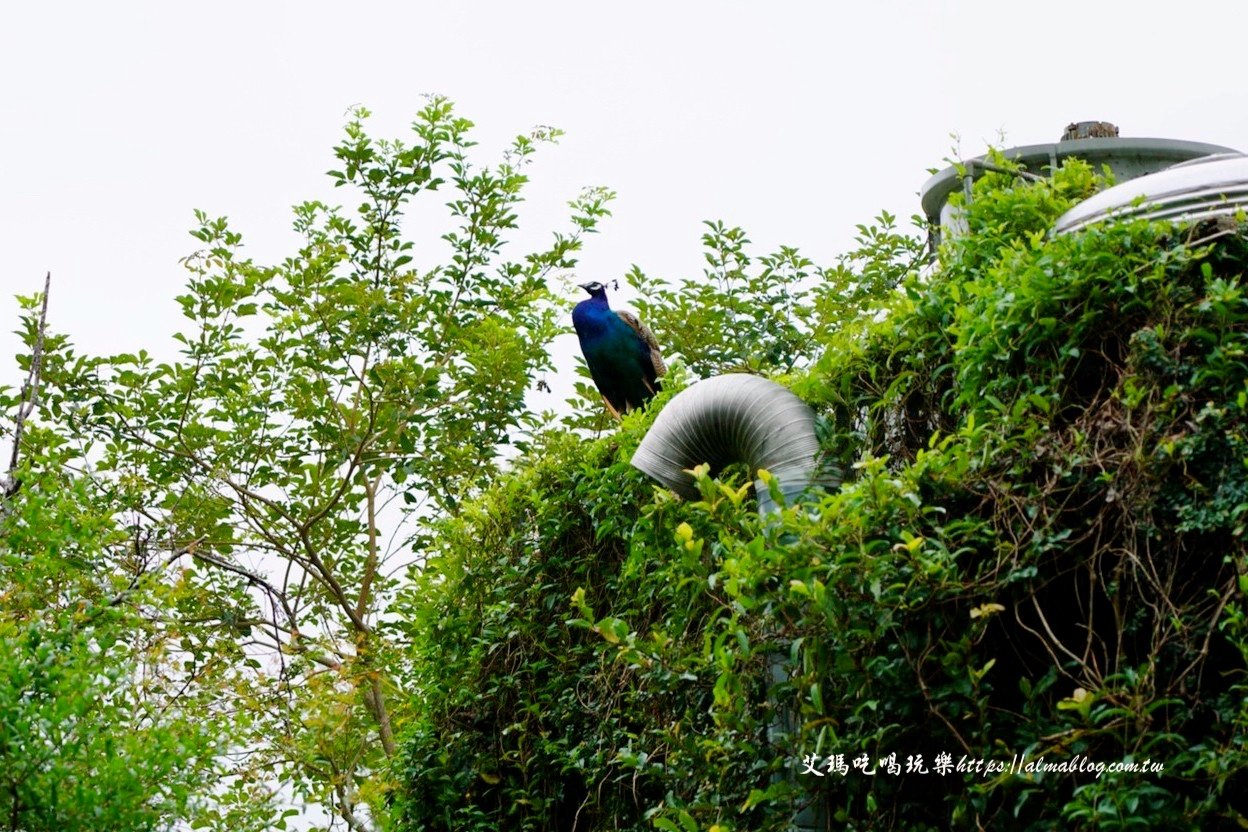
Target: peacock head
595,289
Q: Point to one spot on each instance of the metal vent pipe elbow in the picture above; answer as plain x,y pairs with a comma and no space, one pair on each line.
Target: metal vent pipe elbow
745,419
727,419
740,418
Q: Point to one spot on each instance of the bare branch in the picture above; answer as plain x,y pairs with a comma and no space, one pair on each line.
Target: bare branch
30,392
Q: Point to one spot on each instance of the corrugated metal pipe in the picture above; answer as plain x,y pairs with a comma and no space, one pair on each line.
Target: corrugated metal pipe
728,419
742,418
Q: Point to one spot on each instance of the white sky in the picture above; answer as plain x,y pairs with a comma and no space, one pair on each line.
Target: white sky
793,120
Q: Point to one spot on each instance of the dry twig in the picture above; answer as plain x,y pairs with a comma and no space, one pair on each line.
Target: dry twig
30,394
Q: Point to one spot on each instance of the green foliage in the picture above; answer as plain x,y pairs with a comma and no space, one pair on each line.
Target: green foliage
1040,555
82,747
86,739
761,316
279,473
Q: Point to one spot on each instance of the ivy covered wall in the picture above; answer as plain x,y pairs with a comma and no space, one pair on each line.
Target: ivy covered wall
1037,555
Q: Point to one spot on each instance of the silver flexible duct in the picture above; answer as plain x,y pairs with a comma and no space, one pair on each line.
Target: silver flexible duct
741,418
727,419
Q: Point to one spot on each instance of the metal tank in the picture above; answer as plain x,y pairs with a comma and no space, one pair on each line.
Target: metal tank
1096,142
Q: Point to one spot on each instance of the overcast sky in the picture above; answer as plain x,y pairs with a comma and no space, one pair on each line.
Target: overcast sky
794,120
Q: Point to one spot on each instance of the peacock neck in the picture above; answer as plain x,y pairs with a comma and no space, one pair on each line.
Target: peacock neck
592,317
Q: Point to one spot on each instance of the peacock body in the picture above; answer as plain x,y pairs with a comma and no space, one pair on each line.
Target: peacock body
621,352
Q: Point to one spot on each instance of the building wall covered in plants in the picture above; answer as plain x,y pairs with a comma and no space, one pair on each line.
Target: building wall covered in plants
1036,555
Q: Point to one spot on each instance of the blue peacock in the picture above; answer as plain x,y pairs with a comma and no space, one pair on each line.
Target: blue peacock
621,352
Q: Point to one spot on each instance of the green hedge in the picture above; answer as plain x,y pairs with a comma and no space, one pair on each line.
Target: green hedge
1038,554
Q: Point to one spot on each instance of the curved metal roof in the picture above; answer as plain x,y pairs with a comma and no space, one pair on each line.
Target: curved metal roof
1209,187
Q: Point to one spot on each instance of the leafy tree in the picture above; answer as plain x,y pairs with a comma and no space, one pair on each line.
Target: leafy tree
87,736
761,314
316,403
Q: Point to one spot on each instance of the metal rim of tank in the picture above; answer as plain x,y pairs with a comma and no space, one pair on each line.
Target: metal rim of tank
1128,158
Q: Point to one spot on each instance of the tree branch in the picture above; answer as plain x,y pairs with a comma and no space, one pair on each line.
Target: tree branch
30,392
212,560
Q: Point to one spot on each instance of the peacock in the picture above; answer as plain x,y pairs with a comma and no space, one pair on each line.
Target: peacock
621,352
